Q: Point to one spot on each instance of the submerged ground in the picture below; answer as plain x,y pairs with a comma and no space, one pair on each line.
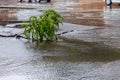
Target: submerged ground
90,50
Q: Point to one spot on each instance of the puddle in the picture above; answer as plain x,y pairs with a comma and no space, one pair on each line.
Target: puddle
90,13
25,14
8,15
92,54
53,61
111,16
96,52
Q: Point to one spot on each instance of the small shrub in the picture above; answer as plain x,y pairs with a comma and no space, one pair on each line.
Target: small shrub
44,27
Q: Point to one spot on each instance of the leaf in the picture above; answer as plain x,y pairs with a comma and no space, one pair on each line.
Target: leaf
43,27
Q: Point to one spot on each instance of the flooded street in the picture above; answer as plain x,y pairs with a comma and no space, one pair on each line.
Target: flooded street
89,50
90,13
61,60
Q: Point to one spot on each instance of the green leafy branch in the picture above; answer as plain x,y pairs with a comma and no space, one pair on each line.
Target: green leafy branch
44,27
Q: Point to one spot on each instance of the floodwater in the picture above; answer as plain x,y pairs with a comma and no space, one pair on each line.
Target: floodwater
8,15
62,60
86,53
90,13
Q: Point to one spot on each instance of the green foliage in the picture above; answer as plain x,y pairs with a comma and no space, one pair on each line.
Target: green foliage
44,27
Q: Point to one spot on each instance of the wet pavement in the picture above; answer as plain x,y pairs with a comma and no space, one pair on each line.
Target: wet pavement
89,50
90,13
66,59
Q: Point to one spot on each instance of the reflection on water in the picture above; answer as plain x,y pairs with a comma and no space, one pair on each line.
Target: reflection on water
77,51
111,16
8,15
66,59
62,60
89,12
4,14
84,12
